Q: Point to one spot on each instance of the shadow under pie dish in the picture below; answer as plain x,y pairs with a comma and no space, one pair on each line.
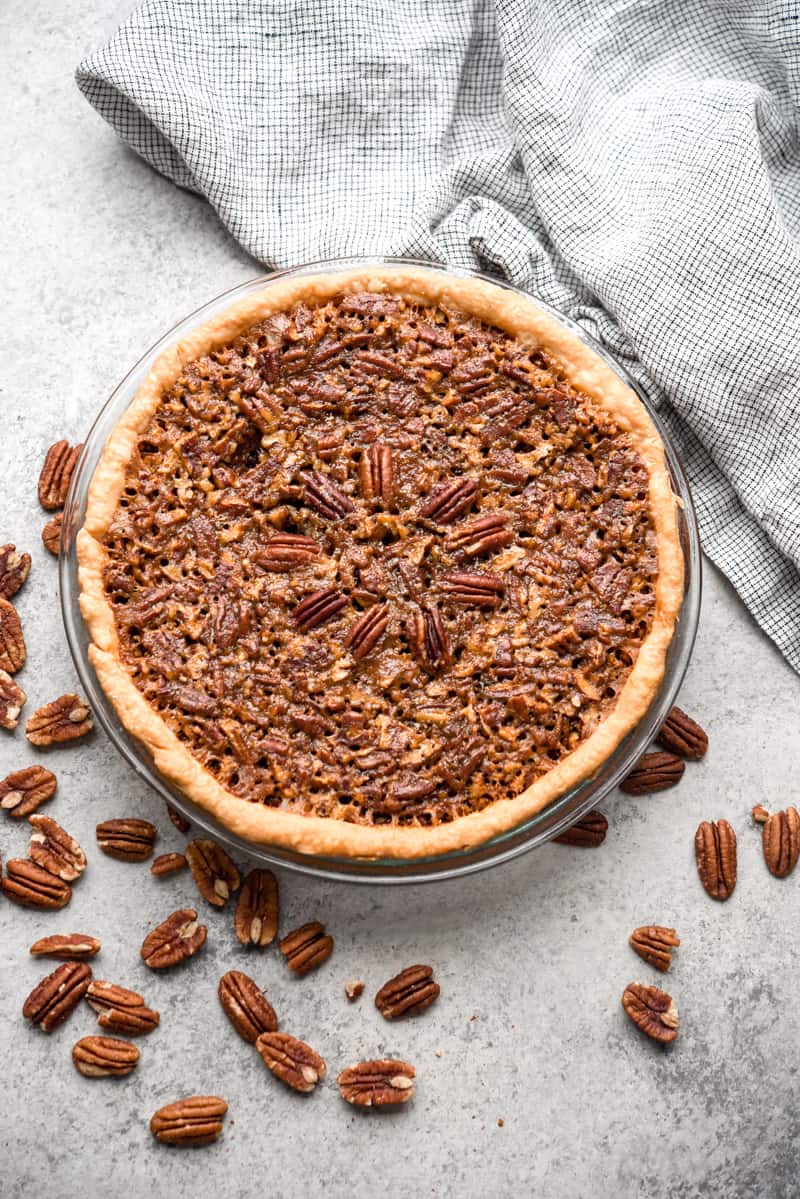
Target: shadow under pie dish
380,562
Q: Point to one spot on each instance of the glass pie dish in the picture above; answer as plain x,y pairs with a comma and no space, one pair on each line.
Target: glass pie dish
533,831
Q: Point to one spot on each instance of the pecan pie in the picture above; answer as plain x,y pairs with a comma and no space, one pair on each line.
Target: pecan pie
379,563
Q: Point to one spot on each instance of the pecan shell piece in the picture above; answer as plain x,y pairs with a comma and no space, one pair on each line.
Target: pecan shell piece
653,772
69,947
213,870
381,1083
780,841
376,474
245,1005
104,1057
681,735
178,819
715,852
472,588
175,939
12,643
427,636
128,840
290,1060
52,848
57,995
51,534
318,608
449,500
56,474
121,1010
655,943
287,551
257,909
25,790
64,719
408,993
481,536
324,497
14,570
196,1120
306,947
365,633
588,832
168,863
30,886
652,1011
12,699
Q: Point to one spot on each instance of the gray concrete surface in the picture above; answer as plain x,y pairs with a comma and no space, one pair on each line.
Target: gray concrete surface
100,256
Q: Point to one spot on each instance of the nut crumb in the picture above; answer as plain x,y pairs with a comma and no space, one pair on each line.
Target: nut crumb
500,1122
437,1052
760,814
354,989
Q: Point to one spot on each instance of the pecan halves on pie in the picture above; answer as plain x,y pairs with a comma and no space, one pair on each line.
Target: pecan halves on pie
449,500
244,1004
653,772
175,939
318,608
12,699
376,474
30,886
196,1120
128,840
287,551
652,1011
306,947
56,473
52,848
104,1057
682,735
291,1060
14,570
12,642
476,589
51,534
588,832
408,993
324,497
382,1083
780,841
715,851
257,909
213,870
655,944
365,633
69,947
121,1010
64,719
427,636
482,536
57,995
23,791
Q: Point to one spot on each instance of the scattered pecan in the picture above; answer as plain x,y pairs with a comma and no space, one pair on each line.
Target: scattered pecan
760,814
101,1057
715,851
449,500
257,909
57,995
365,633
119,1009
175,939
481,590
63,719
378,1083
12,642
196,1120
12,698
652,1011
168,863
25,790
682,735
354,989
481,536
306,947
56,474
287,551
324,497
51,534
290,1060
588,832
14,570
246,1007
128,840
70,947
655,943
376,474
55,850
781,842
178,819
653,772
32,887
408,993
427,637
213,871
318,608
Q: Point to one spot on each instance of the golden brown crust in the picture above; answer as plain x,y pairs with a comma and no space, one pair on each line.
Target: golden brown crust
522,319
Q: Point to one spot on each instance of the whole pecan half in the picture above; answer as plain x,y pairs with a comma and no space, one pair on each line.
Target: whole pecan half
376,474
12,698
55,850
101,1057
290,1060
119,1009
652,1011
588,832
449,500
318,608
715,851
168,863
427,636
14,570
408,993
381,1083
178,819
64,719
365,633
481,536
479,590
196,1120
51,534
653,772
70,947
175,939
682,735
128,839
287,551
244,1004
32,887
56,473
257,909
324,497
306,947
781,842
25,790
12,642
57,995
213,871
655,944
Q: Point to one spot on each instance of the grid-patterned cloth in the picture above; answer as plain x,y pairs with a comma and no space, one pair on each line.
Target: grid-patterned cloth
636,163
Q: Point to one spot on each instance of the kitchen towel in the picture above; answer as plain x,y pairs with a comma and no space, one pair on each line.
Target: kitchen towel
635,163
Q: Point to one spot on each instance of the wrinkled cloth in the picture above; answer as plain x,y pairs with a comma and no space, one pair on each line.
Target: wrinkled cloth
635,163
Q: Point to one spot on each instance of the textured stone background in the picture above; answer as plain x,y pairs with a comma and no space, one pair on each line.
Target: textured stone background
100,256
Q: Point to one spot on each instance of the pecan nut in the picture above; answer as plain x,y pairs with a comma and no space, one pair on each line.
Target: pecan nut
14,570
52,848
354,989
381,1083
365,633
32,887
715,852
51,534
781,842
213,871
652,1011
25,790
290,1060
376,474
588,832
64,719
318,608
70,947
175,939
168,863
56,474
12,699
121,1010
287,551
760,814
12,642
408,993
427,636
655,944
57,995
102,1057
482,536
476,589
127,840
682,735
449,500
324,497
243,1002
653,772
178,819
257,909
196,1120
306,947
